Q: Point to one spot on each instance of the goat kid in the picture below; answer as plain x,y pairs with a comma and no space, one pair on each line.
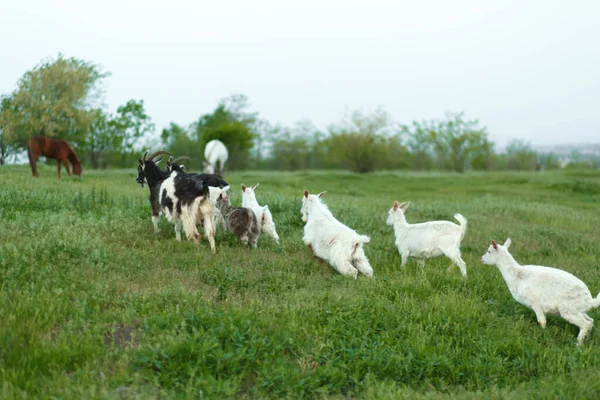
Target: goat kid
427,239
545,290
240,221
263,214
331,240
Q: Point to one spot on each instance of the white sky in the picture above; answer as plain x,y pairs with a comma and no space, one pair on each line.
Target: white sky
525,69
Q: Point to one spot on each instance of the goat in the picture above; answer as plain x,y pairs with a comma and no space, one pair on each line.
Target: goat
263,214
209,179
213,180
215,154
58,149
427,239
240,221
148,172
332,241
185,202
545,290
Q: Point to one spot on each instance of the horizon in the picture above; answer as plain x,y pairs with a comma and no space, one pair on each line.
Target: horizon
524,71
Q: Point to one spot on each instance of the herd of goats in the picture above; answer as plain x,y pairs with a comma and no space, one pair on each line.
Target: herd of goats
190,199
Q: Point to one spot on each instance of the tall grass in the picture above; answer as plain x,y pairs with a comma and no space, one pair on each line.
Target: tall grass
93,304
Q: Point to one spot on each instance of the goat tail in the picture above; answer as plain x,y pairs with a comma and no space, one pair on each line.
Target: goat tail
362,239
596,301
463,224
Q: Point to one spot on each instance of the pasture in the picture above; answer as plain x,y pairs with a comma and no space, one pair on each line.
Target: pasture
93,304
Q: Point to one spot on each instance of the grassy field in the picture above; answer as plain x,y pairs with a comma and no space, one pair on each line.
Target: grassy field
93,304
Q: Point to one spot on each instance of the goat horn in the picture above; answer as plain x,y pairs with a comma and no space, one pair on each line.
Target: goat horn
157,153
181,158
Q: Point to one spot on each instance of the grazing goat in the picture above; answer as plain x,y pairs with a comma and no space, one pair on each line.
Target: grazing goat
215,154
331,240
148,172
545,290
240,221
428,239
58,149
263,214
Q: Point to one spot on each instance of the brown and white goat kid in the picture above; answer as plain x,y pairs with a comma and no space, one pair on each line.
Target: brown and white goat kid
428,239
334,242
263,214
545,290
240,221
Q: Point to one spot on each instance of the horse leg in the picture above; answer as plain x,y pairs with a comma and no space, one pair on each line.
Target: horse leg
58,162
66,164
33,157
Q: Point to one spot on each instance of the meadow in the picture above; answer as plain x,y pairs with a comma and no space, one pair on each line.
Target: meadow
94,305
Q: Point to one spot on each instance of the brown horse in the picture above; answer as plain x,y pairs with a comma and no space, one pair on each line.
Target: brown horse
58,149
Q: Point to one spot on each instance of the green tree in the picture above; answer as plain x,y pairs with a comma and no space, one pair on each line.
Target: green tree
520,155
178,142
131,123
54,97
358,142
455,143
6,148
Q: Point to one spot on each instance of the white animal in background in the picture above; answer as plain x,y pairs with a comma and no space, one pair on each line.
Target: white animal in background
427,239
545,290
215,155
331,240
263,214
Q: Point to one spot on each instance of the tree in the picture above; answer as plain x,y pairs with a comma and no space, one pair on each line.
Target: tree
456,143
358,143
115,135
130,124
6,148
53,98
520,155
178,142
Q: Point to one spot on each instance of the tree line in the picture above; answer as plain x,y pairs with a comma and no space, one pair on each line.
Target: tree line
62,97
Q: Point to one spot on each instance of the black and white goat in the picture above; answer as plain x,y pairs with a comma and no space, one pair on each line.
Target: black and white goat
211,180
151,174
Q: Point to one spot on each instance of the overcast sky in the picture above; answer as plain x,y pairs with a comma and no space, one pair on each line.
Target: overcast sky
525,69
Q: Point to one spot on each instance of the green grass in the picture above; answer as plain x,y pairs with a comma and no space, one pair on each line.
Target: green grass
93,304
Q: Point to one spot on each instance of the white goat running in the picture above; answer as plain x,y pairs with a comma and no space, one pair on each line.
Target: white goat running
263,214
215,155
427,239
545,290
331,240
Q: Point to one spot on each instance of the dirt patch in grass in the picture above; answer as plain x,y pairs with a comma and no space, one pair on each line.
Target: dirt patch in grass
122,335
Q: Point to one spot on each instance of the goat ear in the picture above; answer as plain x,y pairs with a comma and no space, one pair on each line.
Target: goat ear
396,205
141,162
158,161
494,244
507,243
243,188
322,193
306,193
255,186
405,206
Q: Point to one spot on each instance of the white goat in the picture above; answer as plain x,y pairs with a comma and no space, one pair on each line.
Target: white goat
263,214
215,155
427,239
545,290
331,240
